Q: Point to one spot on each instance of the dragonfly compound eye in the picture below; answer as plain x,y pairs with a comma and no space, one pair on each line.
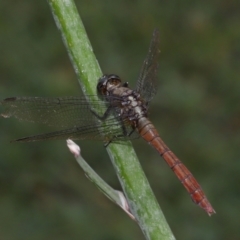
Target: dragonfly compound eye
107,81
114,79
102,83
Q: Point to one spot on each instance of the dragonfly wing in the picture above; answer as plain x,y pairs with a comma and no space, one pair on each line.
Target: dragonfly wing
59,112
71,133
72,116
146,84
109,131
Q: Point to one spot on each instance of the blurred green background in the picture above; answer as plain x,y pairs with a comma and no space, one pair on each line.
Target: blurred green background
45,195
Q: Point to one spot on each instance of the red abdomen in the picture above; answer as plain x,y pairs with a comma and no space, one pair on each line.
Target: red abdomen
150,134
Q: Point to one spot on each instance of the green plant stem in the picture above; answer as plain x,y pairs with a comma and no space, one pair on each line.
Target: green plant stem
141,199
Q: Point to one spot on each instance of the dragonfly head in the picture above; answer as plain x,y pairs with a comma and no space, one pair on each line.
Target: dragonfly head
107,83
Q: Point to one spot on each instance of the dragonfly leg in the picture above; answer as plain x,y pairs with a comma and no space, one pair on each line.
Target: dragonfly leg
113,139
133,130
125,134
106,144
104,116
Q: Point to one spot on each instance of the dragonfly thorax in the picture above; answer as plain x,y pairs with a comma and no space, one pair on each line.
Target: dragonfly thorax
133,107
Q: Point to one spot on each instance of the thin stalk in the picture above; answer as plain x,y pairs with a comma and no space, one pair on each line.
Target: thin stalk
141,199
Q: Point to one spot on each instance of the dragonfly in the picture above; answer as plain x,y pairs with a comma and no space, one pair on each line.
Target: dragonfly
125,117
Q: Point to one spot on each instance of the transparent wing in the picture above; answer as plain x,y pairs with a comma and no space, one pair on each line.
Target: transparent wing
147,81
61,112
71,116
